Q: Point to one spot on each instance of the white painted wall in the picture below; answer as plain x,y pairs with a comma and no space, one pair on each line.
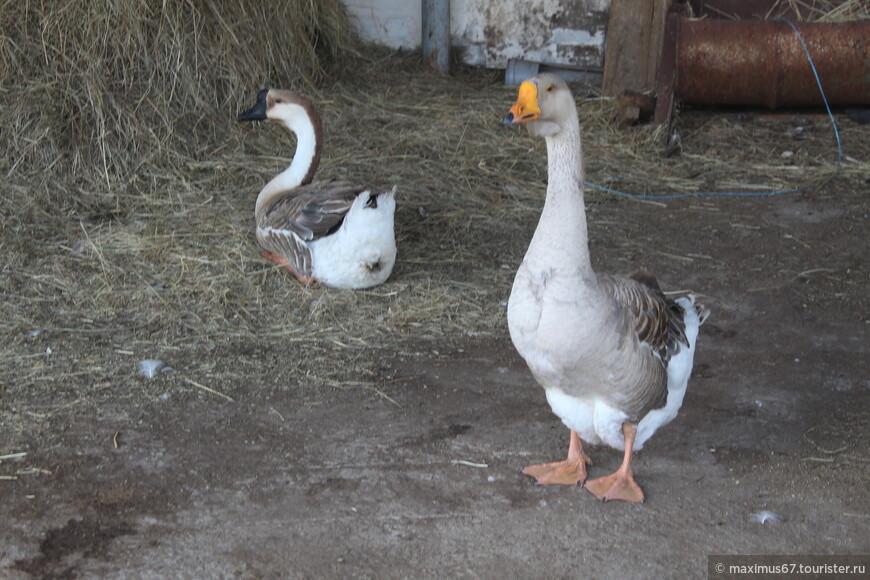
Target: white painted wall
490,32
394,23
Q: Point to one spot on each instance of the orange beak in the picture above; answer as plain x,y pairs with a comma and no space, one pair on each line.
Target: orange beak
526,108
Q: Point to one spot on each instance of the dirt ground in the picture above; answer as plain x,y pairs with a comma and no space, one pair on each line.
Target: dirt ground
413,469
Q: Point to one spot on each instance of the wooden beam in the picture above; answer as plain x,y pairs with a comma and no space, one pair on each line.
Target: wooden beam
634,39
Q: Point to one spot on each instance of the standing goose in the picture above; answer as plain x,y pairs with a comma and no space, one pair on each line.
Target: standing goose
330,231
613,354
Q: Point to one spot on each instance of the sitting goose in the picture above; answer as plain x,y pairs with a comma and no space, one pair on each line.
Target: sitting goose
331,231
613,354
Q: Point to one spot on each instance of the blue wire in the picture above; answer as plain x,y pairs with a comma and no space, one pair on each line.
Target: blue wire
754,193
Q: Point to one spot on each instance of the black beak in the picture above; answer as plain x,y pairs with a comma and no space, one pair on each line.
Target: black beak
508,119
258,111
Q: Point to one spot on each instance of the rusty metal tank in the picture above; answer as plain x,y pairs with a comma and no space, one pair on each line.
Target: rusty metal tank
763,63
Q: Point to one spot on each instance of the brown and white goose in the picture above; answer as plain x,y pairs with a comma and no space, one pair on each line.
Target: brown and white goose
613,354
332,231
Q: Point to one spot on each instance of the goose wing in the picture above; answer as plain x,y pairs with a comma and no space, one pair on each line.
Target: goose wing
312,211
657,322
657,319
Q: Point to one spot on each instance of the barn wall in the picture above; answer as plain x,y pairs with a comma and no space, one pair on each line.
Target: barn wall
490,32
394,23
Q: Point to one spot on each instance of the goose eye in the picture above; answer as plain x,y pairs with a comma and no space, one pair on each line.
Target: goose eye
551,88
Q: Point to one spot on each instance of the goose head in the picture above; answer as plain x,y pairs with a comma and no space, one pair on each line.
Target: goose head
286,107
545,105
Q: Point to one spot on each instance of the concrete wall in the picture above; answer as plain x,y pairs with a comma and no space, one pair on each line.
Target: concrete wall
490,32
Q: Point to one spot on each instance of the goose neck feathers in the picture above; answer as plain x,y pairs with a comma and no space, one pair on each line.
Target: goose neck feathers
546,107
298,115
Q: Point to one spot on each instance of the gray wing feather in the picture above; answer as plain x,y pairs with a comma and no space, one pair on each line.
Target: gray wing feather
656,321
312,211
291,247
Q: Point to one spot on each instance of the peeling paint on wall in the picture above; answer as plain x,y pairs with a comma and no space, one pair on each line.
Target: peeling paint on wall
491,32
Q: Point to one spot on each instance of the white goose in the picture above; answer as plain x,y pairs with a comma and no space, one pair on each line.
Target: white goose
613,354
331,231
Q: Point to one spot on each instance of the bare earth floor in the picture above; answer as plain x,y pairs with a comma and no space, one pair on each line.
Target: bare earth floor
416,473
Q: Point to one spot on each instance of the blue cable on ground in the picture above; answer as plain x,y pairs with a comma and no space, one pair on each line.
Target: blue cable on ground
754,193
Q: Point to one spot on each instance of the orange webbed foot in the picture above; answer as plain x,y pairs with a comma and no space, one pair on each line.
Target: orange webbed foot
619,485
566,472
616,486
571,471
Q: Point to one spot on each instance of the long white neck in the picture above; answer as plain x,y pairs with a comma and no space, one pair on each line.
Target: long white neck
563,220
302,167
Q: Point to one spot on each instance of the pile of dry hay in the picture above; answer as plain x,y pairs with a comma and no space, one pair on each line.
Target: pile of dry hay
129,188
122,94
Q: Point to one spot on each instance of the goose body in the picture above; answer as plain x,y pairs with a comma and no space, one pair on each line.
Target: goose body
613,354
331,231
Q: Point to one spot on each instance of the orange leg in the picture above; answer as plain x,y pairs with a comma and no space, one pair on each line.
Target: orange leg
571,471
282,261
620,484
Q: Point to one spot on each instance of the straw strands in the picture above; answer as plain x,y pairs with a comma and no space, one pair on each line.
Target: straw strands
825,10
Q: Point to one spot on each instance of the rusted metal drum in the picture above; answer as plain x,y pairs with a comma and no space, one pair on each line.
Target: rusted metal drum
763,63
